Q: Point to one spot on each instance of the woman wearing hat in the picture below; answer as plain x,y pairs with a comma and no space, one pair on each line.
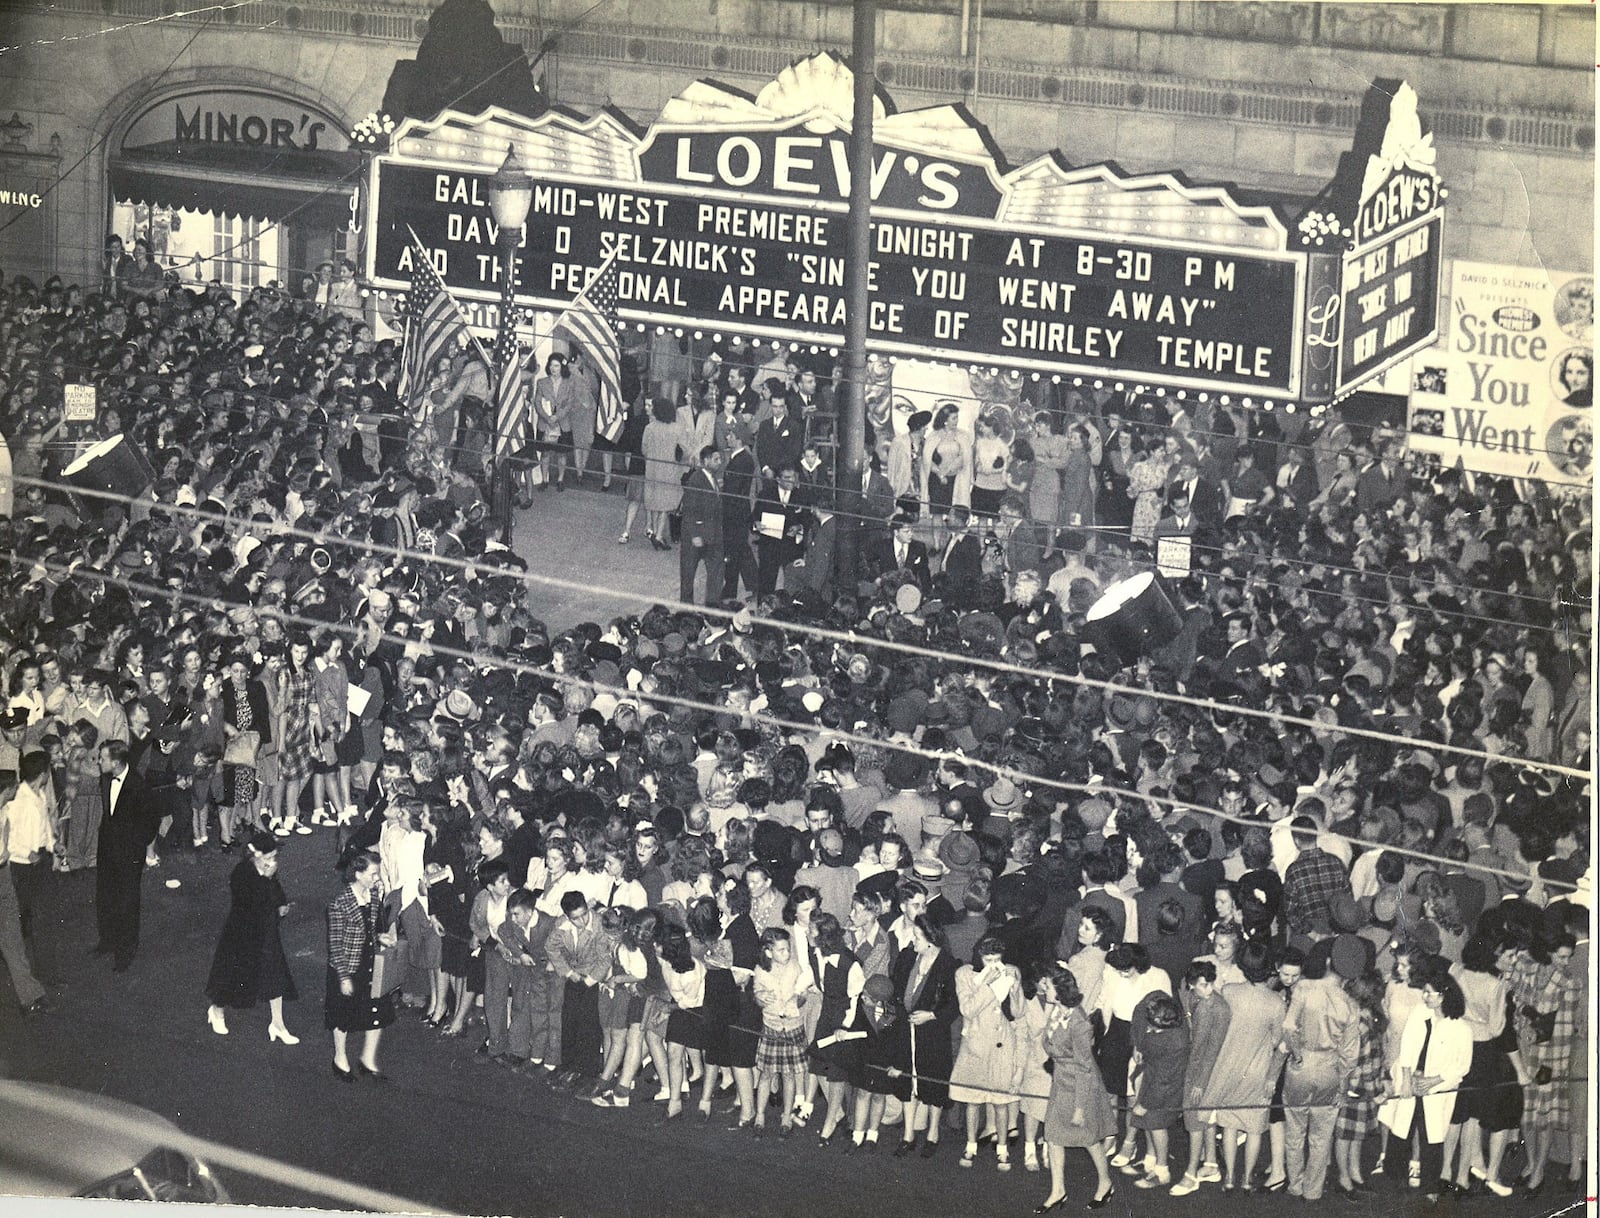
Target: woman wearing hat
249,963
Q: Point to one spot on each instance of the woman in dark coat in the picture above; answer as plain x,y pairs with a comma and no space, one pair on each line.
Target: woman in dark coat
444,861
250,964
352,950
924,977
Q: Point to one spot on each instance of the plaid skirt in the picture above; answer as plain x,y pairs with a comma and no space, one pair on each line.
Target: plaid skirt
782,1051
1355,1120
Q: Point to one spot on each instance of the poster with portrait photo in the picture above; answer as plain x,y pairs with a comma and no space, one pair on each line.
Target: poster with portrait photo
1509,389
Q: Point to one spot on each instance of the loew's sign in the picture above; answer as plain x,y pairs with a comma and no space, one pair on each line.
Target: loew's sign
950,289
729,214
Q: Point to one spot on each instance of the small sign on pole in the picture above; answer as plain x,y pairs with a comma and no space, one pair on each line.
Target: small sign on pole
80,404
1173,556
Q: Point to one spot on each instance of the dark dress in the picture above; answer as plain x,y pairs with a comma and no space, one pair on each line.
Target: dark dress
840,1061
732,1019
924,1051
447,901
249,965
352,942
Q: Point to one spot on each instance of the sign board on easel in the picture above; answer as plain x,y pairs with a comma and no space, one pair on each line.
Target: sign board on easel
80,404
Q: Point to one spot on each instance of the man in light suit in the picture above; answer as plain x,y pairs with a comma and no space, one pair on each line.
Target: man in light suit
131,818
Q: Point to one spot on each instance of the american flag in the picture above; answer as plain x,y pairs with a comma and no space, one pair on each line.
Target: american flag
435,326
591,322
510,394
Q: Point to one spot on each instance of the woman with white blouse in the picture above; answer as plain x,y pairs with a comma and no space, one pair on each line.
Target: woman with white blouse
404,877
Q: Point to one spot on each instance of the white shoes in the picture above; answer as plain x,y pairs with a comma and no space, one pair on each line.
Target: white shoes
275,1032
219,1023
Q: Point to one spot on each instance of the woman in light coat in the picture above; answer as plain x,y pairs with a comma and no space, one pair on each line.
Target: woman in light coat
1435,1054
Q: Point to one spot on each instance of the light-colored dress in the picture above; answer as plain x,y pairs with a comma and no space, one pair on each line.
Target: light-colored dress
663,486
1240,1087
986,1061
1145,483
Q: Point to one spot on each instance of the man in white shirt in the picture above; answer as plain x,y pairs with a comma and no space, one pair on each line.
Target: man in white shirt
30,838
30,994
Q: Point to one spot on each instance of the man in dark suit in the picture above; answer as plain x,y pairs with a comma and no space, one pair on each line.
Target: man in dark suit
781,506
701,509
900,551
1245,655
961,560
780,439
1204,494
131,818
738,493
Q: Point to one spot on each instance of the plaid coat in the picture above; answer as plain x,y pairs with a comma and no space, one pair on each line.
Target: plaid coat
1363,1088
352,932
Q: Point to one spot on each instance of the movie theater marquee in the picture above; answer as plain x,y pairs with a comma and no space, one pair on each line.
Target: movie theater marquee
729,214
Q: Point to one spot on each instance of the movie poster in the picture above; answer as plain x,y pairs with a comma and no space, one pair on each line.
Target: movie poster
1510,388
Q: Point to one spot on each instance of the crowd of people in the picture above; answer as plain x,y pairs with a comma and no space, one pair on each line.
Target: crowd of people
883,849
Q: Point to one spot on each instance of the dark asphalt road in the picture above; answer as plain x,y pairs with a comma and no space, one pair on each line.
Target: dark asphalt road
457,1135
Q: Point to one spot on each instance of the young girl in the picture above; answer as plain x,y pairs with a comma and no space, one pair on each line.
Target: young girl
880,1013
686,983
636,972
1161,1059
81,795
781,1055
1208,1026
1365,1086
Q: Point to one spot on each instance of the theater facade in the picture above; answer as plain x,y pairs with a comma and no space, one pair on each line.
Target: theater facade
727,215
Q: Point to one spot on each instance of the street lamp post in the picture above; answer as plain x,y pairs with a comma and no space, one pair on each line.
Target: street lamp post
510,196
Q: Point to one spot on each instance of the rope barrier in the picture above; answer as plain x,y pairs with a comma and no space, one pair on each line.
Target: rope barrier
832,734
859,641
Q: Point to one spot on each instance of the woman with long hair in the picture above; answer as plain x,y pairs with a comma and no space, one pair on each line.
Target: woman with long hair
835,1052
1550,996
636,971
946,472
685,976
1365,1084
732,1018
293,734
1491,1094
444,864
336,747
249,963
1080,1112
402,845
353,941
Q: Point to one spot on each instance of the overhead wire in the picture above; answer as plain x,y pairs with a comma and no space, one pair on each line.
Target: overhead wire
169,595
850,638
1256,559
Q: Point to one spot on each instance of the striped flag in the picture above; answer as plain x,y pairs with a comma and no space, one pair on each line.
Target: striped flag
435,326
591,322
510,395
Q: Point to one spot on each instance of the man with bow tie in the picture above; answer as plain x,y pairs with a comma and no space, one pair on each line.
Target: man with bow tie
131,817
